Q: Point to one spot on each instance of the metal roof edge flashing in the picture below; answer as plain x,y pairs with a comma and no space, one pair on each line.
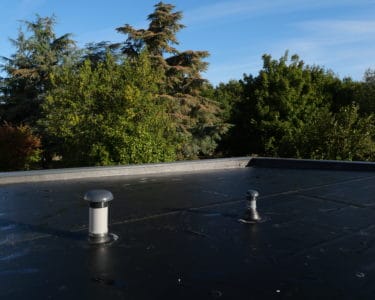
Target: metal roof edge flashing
121,170
291,163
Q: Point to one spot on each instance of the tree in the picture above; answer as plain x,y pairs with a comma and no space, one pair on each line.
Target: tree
109,114
37,55
275,105
229,96
197,117
341,93
97,52
366,94
344,135
160,35
293,110
279,101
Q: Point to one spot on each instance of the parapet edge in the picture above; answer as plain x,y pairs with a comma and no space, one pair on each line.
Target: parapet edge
128,170
291,163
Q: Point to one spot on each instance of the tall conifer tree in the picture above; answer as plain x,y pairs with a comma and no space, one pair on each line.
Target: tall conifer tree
38,52
196,116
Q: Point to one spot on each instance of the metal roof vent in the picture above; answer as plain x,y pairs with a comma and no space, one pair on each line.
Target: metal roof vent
251,215
98,216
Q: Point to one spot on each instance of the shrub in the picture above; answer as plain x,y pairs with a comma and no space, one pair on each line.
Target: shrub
19,148
340,136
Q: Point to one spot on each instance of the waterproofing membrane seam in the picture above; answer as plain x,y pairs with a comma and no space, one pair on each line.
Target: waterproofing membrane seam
318,186
356,205
237,200
331,241
231,201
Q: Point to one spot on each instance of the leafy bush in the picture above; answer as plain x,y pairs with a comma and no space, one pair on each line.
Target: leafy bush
19,148
340,136
108,114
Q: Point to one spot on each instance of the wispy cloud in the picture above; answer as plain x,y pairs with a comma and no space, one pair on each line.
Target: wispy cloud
335,33
248,9
340,45
345,46
223,10
347,27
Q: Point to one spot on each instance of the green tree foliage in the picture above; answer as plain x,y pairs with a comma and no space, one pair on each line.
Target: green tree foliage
366,94
20,149
278,102
97,52
160,35
293,110
38,53
198,122
109,114
344,135
285,98
229,96
341,93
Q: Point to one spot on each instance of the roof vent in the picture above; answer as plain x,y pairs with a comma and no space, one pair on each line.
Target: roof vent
98,216
251,215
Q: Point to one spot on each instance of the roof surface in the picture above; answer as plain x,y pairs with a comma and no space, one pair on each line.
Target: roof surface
180,238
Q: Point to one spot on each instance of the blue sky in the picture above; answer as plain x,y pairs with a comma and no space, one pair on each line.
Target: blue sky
336,34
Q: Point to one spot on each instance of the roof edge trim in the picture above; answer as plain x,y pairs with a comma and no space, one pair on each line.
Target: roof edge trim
292,163
129,170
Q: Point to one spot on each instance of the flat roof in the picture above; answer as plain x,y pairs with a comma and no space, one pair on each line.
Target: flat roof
180,235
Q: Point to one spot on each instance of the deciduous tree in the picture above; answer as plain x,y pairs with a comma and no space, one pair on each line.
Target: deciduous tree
109,114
